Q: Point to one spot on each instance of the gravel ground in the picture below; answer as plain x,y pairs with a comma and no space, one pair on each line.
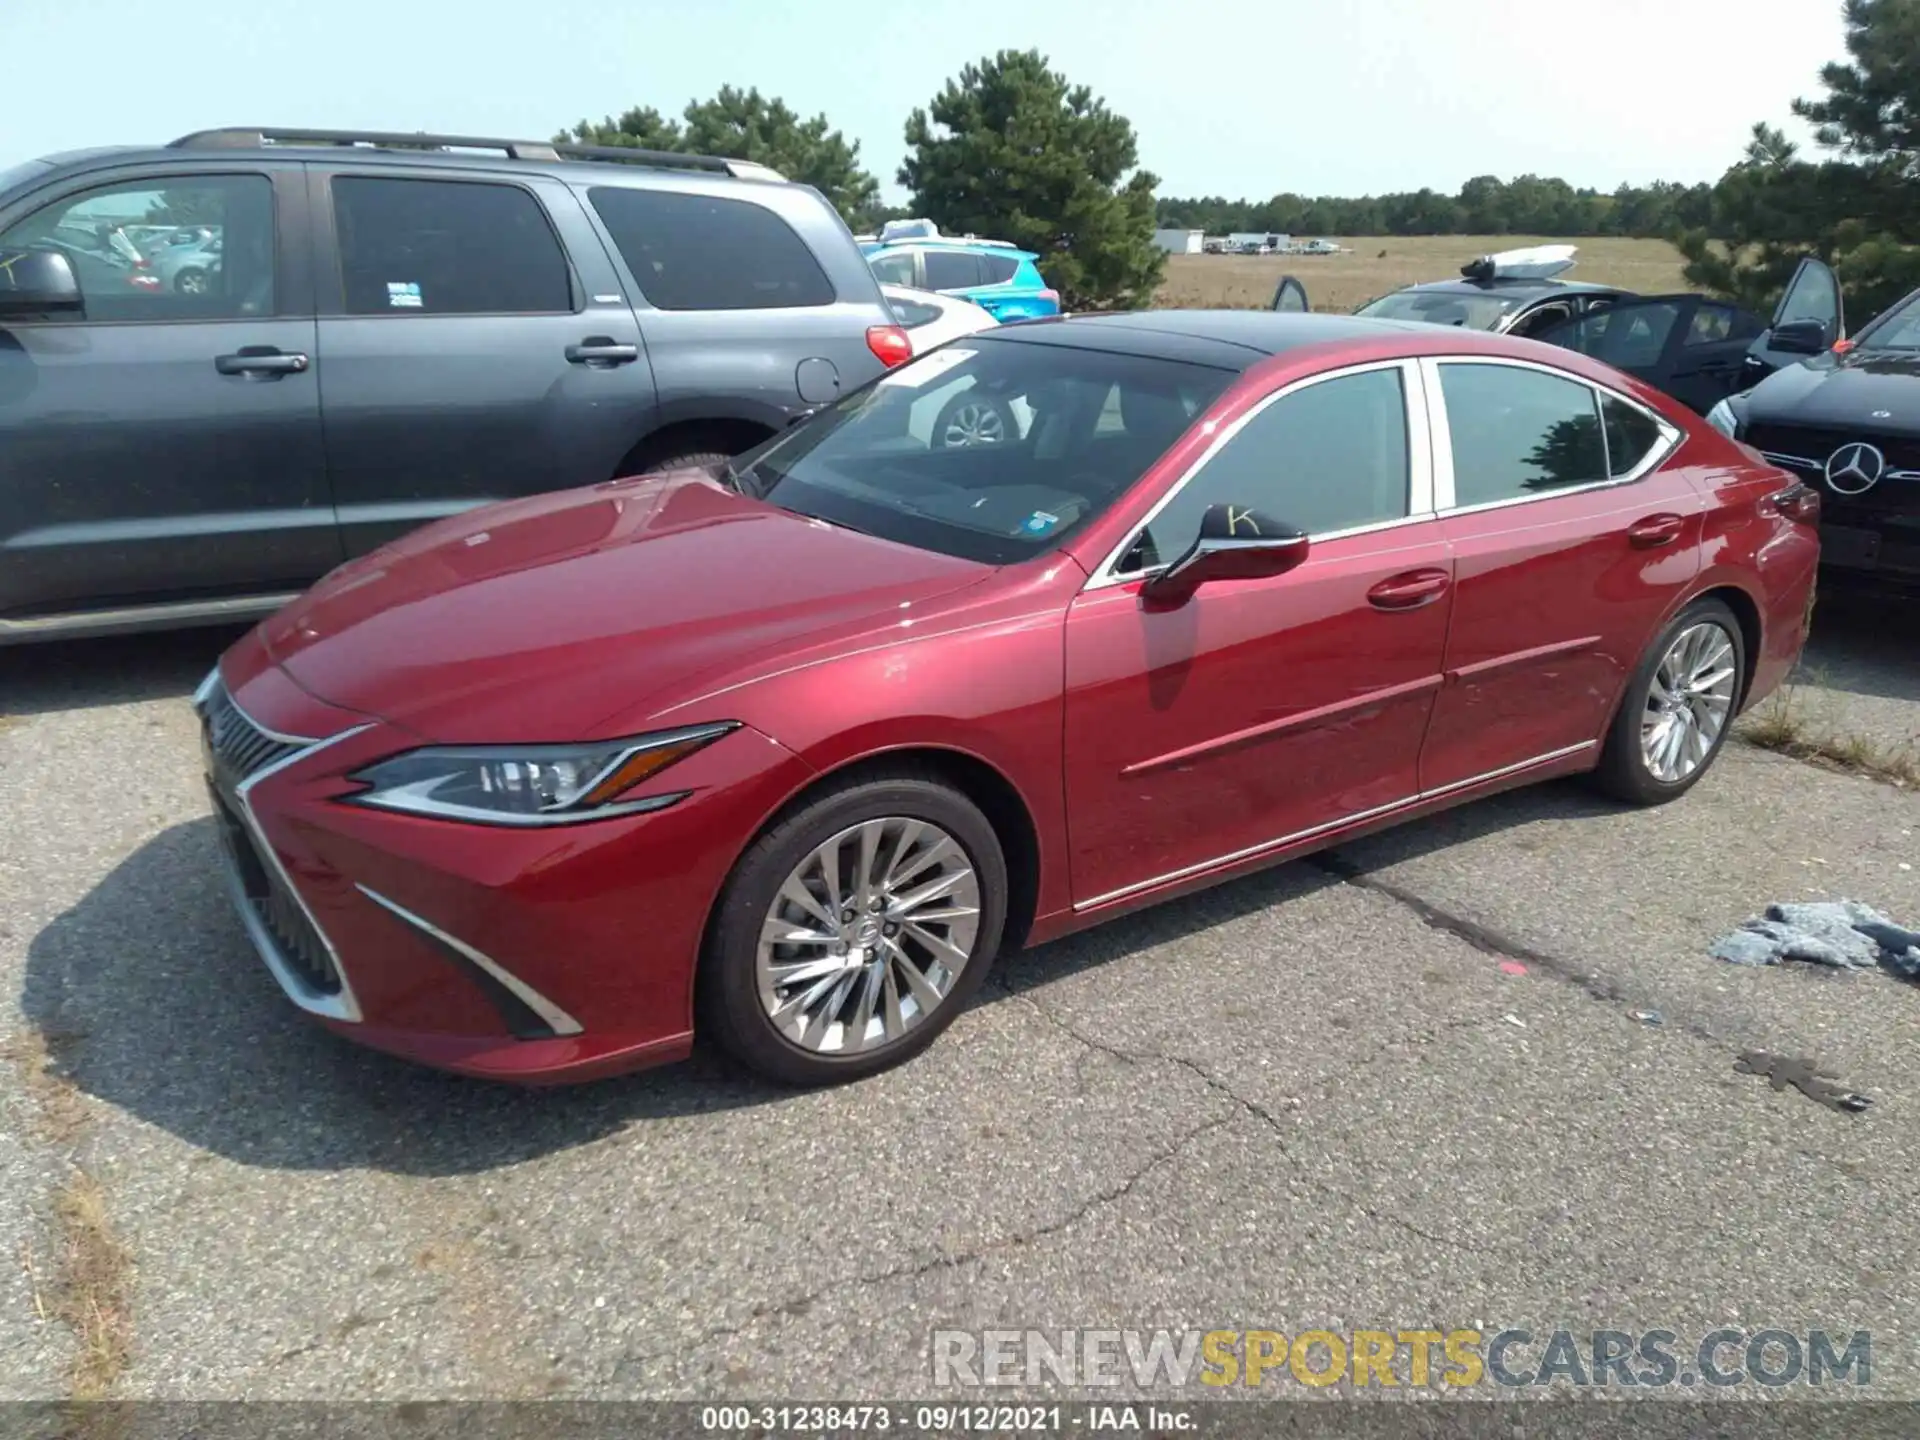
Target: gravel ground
1401,1086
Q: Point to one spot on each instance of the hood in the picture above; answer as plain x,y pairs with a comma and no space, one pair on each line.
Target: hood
542,619
1842,392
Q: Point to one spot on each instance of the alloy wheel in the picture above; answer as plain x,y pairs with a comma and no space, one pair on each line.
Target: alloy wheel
970,423
1689,701
867,935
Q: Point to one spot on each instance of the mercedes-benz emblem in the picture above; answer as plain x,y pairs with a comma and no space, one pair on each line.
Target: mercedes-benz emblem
1855,469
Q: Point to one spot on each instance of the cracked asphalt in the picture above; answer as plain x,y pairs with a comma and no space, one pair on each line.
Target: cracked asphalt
1400,1086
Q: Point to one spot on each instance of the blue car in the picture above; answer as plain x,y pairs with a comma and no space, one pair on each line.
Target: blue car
993,274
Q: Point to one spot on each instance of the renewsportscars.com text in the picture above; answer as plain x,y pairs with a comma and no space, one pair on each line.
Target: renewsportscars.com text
1410,1358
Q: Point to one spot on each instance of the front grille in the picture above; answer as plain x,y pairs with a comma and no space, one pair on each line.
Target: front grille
1805,450
239,748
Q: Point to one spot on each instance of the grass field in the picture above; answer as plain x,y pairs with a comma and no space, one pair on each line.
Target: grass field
1386,262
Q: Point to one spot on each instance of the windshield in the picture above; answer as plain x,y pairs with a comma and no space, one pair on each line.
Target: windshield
1895,329
986,449
1441,307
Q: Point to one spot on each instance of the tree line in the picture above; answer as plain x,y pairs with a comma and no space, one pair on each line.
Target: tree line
1485,205
1012,149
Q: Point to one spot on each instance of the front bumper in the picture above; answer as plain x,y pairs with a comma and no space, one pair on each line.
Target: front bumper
538,956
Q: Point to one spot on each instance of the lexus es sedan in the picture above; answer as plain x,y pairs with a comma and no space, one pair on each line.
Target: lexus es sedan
783,752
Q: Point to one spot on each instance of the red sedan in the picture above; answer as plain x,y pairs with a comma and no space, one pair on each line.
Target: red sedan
788,753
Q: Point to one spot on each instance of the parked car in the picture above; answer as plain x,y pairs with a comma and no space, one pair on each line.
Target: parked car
393,334
189,266
1697,349
534,791
1847,422
931,319
1000,279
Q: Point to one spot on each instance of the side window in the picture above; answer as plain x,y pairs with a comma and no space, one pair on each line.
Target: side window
1624,336
1520,432
174,248
1330,456
1542,318
1632,435
446,247
951,270
911,313
893,268
701,252
997,269
1711,325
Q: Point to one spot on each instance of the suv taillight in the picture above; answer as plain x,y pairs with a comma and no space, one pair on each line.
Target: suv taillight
1797,502
891,344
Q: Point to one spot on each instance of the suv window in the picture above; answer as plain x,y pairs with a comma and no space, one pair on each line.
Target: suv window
227,274
1330,456
1520,432
951,269
446,247
895,267
997,269
700,252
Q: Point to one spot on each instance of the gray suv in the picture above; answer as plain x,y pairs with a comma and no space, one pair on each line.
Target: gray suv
399,327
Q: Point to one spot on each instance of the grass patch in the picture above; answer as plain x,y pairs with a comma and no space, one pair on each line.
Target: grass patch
90,1287
1781,725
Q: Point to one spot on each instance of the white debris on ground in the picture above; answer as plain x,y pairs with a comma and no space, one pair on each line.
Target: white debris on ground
1842,933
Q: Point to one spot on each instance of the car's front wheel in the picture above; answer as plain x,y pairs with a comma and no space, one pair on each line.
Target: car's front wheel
1678,707
854,930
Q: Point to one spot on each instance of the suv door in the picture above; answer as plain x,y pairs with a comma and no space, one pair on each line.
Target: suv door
1813,294
474,345
1693,348
1570,544
1262,711
162,447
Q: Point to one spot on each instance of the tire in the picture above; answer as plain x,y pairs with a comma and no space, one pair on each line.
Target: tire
686,460
970,420
191,281
813,1047
1627,770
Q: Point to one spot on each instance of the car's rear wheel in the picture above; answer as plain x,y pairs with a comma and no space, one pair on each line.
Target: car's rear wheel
1678,708
191,282
687,460
854,930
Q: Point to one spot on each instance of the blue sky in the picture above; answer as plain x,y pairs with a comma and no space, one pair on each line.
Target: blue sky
1234,97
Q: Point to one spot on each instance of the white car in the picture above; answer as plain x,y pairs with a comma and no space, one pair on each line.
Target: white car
931,319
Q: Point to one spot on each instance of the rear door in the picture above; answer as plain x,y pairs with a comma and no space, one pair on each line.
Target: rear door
475,345
1570,543
163,446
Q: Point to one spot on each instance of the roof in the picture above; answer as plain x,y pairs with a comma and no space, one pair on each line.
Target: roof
1225,339
1507,285
949,242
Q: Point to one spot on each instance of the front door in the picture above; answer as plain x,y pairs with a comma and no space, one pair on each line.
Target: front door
465,358
163,445
1262,710
1570,544
1812,296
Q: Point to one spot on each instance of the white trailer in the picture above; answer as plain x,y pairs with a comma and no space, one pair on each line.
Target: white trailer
1180,242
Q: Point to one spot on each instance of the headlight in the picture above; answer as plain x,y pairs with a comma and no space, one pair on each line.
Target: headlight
531,784
1722,418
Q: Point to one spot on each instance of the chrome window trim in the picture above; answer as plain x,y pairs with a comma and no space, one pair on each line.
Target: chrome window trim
1420,460
556,1019
1445,494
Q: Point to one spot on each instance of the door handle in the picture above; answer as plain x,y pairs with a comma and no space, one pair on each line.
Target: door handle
1655,530
267,361
601,350
1409,590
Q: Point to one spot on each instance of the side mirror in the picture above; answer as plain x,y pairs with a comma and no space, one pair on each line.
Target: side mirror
37,282
1236,542
1799,337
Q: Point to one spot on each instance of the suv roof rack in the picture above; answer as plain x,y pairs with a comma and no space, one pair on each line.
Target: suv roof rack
258,137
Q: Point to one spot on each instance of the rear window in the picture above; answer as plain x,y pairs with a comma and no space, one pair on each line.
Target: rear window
987,449
1441,307
701,252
